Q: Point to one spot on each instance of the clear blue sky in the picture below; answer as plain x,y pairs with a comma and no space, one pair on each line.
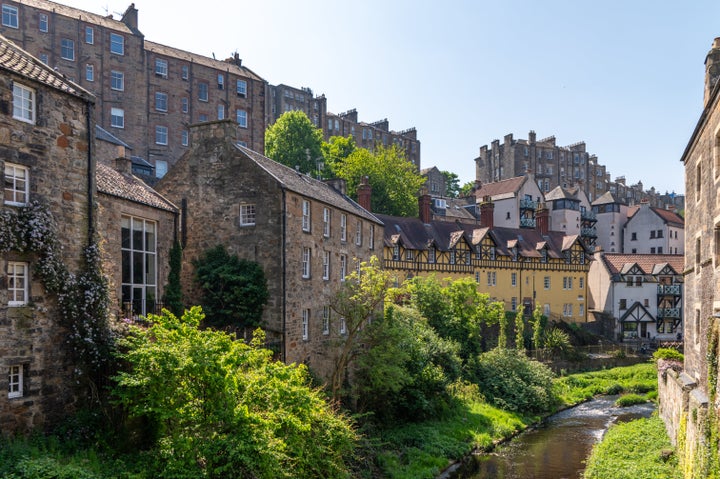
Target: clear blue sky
626,77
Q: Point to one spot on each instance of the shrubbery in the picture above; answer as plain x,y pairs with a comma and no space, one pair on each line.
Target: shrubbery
512,381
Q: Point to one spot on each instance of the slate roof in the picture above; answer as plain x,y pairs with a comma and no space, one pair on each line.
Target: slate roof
130,187
559,192
17,60
307,186
607,198
616,263
511,185
106,21
103,134
200,59
443,235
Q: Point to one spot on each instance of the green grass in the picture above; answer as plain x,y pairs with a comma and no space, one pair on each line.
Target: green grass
634,450
630,399
639,379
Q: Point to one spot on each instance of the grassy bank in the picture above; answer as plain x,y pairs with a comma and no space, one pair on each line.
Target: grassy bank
634,450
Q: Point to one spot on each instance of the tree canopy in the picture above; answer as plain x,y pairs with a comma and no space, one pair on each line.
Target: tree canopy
394,180
452,184
295,142
335,150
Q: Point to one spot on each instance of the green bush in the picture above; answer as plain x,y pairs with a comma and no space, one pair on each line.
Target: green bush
630,400
669,354
512,381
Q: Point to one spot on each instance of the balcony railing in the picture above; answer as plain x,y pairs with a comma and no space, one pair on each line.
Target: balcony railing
669,289
527,222
589,232
588,215
527,204
669,313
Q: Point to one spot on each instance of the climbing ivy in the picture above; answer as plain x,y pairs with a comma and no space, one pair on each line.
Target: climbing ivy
82,298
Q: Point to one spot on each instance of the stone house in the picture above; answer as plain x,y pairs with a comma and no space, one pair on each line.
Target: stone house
651,230
147,93
522,267
515,200
46,158
306,235
643,293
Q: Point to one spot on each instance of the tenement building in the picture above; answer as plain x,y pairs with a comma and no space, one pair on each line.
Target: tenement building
553,165
47,167
305,234
147,93
689,396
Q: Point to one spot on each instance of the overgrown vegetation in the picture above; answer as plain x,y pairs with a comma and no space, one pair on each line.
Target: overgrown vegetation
634,450
640,379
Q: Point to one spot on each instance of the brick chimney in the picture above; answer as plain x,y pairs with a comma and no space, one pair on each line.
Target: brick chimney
364,193
712,69
424,204
542,220
487,212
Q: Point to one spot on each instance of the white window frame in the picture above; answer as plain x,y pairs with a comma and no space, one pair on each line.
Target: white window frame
184,72
89,72
117,117
343,227
241,118
221,112
10,16
117,80
89,35
185,138
24,104
17,184
161,101
117,44
343,326
161,135
371,238
241,88
43,22
139,247
513,279
203,91
15,381
18,283
326,320
306,254
306,216
326,265
343,267
326,222
161,68
67,49
306,324
185,104
221,81
247,214
358,233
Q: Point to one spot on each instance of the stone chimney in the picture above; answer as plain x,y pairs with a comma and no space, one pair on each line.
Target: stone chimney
487,212
424,204
542,220
364,193
130,18
123,164
712,69
532,137
338,184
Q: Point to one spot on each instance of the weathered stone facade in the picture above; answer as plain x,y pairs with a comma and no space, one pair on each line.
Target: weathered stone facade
160,90
48,150
288,222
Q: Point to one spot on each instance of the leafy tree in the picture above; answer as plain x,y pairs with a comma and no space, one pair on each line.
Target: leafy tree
335,150
452,184
223,408
234,289
405,372
466,189
173,290
538,324
294,141
359,300
513,381
394,180
519,331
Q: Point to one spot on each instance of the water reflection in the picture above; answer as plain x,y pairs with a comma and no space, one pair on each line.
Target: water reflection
558,449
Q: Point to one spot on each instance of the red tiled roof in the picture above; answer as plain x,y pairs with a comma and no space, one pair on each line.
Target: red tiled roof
615,262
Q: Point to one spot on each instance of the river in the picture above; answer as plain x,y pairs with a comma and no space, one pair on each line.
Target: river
557,449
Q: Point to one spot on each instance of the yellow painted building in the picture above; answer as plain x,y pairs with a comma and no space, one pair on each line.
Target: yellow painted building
523,267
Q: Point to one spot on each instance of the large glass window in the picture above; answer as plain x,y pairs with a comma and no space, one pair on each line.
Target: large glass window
241,118
161,68
161,135
161,101
89,35
242,88
203,91
139,265
17,184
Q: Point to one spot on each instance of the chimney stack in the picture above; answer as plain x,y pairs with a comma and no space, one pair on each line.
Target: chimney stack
542,220
364,192
712,69
424,204
487,212
338,184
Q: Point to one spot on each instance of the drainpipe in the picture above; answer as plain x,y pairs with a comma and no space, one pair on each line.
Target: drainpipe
91,174
283,352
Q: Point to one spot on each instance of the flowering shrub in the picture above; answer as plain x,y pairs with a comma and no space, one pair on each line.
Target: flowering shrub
82,298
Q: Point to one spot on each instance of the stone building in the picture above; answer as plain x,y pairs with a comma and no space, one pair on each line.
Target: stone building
46,156
305,234
147,93
643,293
553,165
522,267
283,98
686,396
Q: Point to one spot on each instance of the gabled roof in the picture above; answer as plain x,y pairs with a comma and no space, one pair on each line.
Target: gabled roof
307,186
648,263
668,217
502,187
637,313
104,135
607,198
17,60
559,193
129,187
